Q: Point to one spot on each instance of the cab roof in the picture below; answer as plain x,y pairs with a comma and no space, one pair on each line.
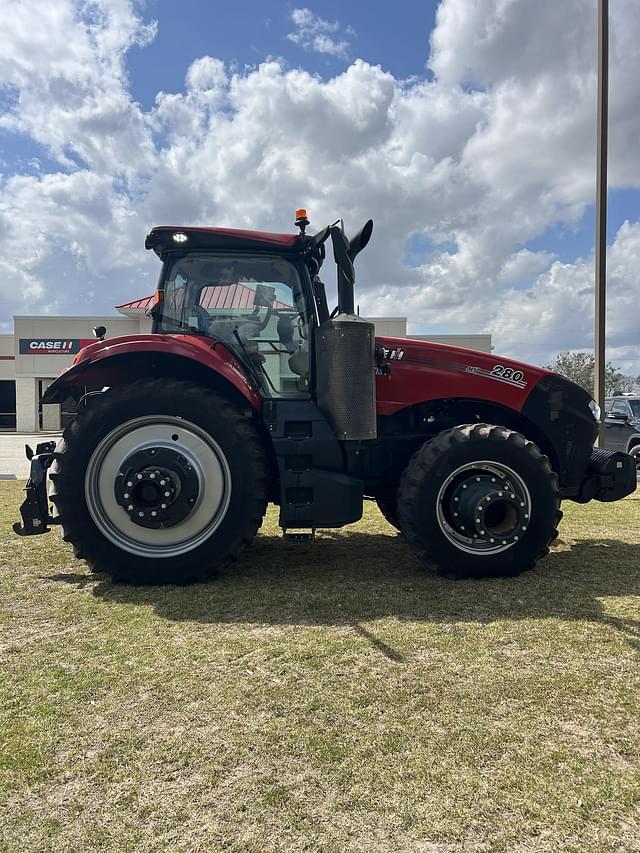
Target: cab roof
165,238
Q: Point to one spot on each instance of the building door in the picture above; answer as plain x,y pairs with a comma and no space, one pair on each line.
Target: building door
49,415
7,404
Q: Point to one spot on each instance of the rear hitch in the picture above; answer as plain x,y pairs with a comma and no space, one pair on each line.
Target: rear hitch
35,509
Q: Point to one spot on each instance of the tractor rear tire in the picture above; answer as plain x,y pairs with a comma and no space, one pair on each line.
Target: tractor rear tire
202,449
479,501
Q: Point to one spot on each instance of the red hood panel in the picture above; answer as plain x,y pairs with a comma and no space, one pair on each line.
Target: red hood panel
420,370
423,371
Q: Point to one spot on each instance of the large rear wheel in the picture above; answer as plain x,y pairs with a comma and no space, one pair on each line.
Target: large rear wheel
480,501
160,481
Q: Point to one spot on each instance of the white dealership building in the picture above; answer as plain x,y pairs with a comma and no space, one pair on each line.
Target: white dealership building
42,346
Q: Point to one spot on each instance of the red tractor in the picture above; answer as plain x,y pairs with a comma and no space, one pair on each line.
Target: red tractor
250,390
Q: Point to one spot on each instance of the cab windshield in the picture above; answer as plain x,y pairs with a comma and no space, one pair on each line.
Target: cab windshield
254,305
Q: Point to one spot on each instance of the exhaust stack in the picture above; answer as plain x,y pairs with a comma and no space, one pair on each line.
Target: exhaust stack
345,347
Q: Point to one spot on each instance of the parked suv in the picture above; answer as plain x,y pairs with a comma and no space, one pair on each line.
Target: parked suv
622,424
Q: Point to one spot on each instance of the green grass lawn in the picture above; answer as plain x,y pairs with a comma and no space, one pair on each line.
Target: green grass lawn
324,697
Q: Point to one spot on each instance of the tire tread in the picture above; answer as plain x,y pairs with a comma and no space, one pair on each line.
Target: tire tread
87,541
431,453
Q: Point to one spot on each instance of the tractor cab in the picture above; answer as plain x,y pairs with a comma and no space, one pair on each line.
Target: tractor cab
254,304
257,293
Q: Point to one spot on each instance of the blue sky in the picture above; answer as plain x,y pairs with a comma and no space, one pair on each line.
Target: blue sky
247,32
570,242
465,128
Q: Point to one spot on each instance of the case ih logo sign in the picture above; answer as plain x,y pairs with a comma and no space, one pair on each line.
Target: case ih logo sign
52,346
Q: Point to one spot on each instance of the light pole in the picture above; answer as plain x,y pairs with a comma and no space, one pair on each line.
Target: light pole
601,207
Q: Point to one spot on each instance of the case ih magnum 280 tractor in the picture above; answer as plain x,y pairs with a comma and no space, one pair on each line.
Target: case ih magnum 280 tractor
251,391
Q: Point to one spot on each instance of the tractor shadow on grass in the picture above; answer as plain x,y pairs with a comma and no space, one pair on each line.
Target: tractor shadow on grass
350,578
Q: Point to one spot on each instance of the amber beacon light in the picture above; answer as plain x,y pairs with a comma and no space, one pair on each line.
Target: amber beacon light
301,219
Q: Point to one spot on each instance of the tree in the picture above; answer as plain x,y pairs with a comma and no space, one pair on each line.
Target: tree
629,384
579,367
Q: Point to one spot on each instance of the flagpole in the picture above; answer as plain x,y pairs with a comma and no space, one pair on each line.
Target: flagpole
601,208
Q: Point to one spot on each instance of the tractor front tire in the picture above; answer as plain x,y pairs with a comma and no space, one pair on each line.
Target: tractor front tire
160,481
480,500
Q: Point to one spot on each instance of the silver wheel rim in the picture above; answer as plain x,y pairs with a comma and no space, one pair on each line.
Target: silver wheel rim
509,489
202,452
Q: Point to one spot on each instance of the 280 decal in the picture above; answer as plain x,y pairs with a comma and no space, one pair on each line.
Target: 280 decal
507,373
500,373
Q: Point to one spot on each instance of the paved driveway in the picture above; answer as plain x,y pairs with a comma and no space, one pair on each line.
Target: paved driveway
13,462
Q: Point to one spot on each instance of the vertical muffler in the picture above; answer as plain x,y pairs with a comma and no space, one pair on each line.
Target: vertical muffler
345,351
345,376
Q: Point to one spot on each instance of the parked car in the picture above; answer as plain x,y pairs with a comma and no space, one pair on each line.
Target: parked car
622,424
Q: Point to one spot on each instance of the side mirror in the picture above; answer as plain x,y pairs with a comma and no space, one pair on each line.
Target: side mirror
618,416
321,237
265,296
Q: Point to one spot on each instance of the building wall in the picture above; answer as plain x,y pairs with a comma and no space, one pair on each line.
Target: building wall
36,369
390,327
479,342
7,357
61,329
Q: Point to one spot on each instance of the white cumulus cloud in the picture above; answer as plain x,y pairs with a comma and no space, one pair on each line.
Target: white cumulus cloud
316,34
494,151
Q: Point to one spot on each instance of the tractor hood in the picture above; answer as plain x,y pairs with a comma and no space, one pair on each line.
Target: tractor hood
410,372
